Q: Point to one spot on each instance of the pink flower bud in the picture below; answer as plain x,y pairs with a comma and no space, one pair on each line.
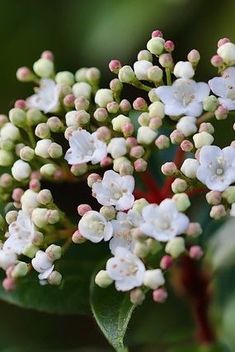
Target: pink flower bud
194,229
115,85
140,104
81,103
160,295
35,175
166,262
83,209
131,142
125,105
103,133
20,104
140,165
9,270
92,178
218,212
223,41
128,129
6,180
101,114
69,100
232,144
221,113
106,161
24,74
193,56
115,66
216,61
77,238
214,197
206,127
176,137
169,46
169,169
3,120
17,194
179,185
48,55
137,151
166,60
162,142
113,107
137,296
186,146
157,33
195,252
155,123
9,284
34,185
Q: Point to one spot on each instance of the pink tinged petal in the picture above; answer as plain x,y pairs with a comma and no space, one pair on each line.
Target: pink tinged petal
218,86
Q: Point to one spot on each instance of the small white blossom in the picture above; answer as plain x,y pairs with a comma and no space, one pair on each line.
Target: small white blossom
187,125
217,167
126,269
115,190
43,265
21,234
141,69
154,278
184,69
163,221
117,147
185,96
46,98
224,87
85,147
121,230
94,227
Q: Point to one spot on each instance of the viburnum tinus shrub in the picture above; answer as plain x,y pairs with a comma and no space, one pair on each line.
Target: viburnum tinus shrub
148,164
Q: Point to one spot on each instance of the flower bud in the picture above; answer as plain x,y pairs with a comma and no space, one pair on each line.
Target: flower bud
43,68
145,135
217,212
155,74
108,212
20,104
177,137
9,131
166,60
162,142
82,89
229,194
54,278
214,197
24,74
55,150
184,69
153,278
83,209
156,45
126,74
26,153
187,125
155,123
92,178
48,170
116,85
39,217
21,170
81,103
195,252
156,109
55,124
34,117
79,169
42,147
6,158
217,61
117,147
140,165
119,162
21,269
193,57
144,119
45,197
227,52
169,46
68,101
64,78
6,180
115,66
179,185
189,167
202,138
77,238
139,104
103,97
11,216
47,54
175,247
102,279
9,284
141,249
54,252
53,216
112,107
221,113
137,151
30,250
137,296
42,131
125,106
160,295
119,121
141,69
182,201
207,127
101,114
17,117
169,169
186,146
210,103
166,262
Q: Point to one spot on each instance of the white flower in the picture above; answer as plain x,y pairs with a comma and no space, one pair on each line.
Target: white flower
121,230
46,98
85,147
7,259
187,125
29,201
117,147
185,96
227,52
126,269
21,234
43,265
115,190
141,69
224,87
94,227
184,69
163,221
21,170
217,167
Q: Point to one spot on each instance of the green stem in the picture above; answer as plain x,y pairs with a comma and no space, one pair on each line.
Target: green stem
205,117
31,137
168,77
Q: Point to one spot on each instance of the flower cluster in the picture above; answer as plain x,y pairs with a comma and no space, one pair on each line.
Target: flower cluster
71,128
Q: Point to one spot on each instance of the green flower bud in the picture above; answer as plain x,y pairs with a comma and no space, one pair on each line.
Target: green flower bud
6,158
64,77
17,117
102,279
44,68
21,269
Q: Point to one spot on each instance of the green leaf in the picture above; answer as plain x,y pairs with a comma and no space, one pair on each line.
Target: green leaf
72,297
112,311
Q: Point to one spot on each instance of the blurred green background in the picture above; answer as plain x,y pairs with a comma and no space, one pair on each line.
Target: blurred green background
90,33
